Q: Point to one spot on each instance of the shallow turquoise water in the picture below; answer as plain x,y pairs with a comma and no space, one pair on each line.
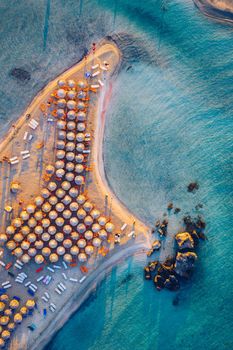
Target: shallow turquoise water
169,123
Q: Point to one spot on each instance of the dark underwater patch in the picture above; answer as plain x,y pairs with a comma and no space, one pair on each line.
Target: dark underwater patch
20,74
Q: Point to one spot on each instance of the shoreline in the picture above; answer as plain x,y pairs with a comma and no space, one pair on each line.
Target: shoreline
83,293
213,12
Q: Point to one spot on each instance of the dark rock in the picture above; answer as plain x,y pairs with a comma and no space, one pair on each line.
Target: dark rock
172,283
177,210
147,273
193,186
157,224
185,263
156,245
184,240
152,265
176,300
202,236
170,206
170,261
195,237
20,74
159,282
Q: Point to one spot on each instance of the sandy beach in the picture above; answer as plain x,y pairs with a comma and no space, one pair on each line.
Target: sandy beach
29,173
221,10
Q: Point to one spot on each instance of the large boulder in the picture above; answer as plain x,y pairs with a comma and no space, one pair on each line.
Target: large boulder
185,263
184,241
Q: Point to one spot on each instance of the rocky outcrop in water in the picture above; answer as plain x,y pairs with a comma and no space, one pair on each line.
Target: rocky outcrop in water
193,186
185,263
184,241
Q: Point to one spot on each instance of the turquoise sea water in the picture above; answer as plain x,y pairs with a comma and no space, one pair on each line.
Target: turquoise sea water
170,122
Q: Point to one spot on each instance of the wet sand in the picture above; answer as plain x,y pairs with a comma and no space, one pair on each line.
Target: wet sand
221,10
30,175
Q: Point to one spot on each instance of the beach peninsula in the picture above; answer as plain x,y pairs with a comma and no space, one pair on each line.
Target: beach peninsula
62,227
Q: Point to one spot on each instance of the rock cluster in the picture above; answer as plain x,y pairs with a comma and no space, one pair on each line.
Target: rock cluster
170,273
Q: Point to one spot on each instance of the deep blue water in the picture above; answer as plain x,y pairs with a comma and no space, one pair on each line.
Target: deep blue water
170,122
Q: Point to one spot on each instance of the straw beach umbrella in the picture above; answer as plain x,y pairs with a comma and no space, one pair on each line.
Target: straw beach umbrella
39,259
71,115
10,230
30,304
82,257
24,215
74,250
61,93
81,228
81,127
60,144
67,258
109,227
11,245
52,186
70,165
70,146
39,200
53,200
17,222
45,222
18,318
49,169
71,83
3,238
31,208
61,135
96,242
53,258
81,199
89,250
81,213
61,251
46,251
79,158
59,164
103,234
71,94
61,103
39,244
74,221
60,113
45,236
60,207
4,320
5,334
18,252
88,235
71,125
11,326
45,193
70,136
59,236
61,83
74,206
88,221
81,243
25,230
